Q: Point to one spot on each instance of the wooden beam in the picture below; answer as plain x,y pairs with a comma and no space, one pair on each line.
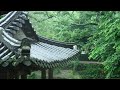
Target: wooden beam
90,62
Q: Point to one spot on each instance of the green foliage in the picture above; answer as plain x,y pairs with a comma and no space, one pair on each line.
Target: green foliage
107,43
56,71
91,71
34,75
86,71
65,26
97,33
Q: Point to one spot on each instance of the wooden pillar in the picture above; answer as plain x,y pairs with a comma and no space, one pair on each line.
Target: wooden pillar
24,76
43,74
17,75
50,73
3,74
8,74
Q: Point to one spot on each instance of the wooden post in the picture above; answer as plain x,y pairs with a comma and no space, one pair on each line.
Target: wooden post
17,75
50,73
3,74
8,74
43,74
24,76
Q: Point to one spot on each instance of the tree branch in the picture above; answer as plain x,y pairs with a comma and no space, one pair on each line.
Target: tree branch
82,25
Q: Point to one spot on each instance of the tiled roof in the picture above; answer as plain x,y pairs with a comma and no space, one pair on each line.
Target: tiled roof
44,52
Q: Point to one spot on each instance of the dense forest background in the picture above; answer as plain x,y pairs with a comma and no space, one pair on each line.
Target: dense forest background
95,32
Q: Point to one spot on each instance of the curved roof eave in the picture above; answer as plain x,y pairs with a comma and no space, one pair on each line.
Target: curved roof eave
45,50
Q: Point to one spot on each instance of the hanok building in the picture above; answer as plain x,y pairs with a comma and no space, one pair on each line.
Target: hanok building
23,51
